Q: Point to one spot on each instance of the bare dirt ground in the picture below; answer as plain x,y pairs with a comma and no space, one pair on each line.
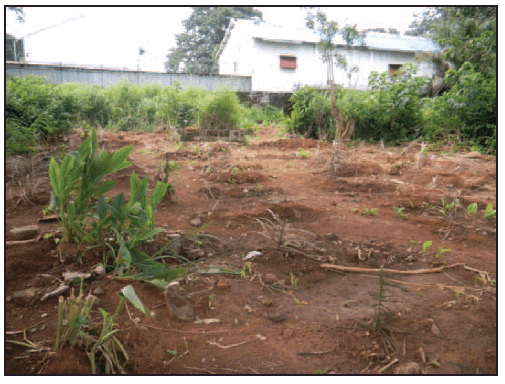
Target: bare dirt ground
307,318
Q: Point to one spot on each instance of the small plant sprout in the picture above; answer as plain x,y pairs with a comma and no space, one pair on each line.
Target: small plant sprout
304,154
294,280
212,299
260,186
399,212
247,140
427,245
355,210
196,149
441,252
371,212
490,212
234,170
179,146
472,208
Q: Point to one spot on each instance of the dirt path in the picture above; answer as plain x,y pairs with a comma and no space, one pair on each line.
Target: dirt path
315,320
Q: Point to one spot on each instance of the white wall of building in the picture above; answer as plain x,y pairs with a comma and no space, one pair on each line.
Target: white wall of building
245,55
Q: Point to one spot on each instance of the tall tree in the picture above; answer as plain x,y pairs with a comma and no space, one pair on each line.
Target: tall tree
327,31
20,13
468,34
422,25
197,47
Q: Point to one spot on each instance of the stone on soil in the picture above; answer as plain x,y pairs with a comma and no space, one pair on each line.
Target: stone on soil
196,222
25,233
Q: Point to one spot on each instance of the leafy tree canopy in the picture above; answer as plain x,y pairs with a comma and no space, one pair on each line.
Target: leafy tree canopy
205,29
20,14
424,21
469,34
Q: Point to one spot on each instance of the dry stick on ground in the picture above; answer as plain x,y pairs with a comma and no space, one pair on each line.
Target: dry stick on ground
217,344
389,365
190,332
373,270
201,369
21,242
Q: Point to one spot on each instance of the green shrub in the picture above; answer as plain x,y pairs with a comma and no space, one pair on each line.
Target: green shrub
221,110
468,110
311,115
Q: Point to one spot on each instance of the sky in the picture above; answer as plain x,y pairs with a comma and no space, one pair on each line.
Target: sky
111,36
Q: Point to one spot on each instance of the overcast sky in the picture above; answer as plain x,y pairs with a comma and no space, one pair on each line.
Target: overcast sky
111,36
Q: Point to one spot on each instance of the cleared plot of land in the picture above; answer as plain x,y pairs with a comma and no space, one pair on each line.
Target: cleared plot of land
366,207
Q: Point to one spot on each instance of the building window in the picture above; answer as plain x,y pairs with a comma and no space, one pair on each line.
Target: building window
235,67
288,62
393,69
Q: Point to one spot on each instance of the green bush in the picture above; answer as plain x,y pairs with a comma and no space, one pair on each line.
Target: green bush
393,112
468,110
311,115
221,110
35,111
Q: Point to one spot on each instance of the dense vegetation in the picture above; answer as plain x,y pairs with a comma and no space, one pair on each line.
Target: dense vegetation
35,110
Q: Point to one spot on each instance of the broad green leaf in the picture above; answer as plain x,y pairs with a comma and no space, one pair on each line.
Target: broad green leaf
118,159
160,190
123,255
117,206
101,208
55,177
105,187
145,234
129,293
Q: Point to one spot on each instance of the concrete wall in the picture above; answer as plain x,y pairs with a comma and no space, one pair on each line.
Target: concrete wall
60,74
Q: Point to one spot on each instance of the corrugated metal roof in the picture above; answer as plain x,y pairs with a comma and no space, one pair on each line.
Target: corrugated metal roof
374,40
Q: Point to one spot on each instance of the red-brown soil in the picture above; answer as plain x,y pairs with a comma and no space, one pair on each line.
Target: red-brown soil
319,310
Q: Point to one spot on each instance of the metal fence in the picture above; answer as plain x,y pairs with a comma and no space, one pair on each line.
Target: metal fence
82,74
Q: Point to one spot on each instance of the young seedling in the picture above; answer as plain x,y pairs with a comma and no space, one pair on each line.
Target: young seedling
294,280
399,212
371,212
304,154
490,212
441,252
472,208
427,245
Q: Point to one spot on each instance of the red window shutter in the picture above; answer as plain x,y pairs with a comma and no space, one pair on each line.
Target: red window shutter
288,62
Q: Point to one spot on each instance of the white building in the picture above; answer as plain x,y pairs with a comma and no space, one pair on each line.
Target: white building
279,58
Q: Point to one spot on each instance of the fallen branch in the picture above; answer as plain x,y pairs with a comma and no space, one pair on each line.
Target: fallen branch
231,345
21,242
385,270
389,365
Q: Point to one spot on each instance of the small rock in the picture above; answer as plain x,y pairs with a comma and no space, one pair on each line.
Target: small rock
42,327
32,330
411,368
288,333
43,315
275,316
435,330
177,305
25,233
70,277
270,278
56,292
24,295
196,222
297,214
223,284
99,270
137,320
98,291
252,255
350,304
